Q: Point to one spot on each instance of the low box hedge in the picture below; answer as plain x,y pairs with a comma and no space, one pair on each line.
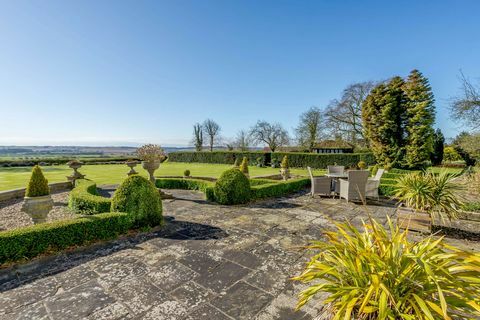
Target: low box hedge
188,184
260,188
296,159
84,199
278,189
31,241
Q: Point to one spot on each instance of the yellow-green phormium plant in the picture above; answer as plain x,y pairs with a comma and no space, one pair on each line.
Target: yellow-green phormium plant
378,273
438,195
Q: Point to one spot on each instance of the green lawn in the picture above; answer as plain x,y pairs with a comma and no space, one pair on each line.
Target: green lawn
12,178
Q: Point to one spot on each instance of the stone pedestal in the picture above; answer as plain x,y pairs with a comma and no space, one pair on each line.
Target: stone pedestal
75,165
132,164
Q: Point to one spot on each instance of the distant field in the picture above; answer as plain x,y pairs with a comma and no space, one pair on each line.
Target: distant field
12,178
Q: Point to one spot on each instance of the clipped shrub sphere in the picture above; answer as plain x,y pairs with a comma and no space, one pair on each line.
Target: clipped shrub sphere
138,197
233,187
38,184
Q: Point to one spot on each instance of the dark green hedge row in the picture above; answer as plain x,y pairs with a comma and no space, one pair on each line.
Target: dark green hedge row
278,189
84,199
222,157
188,184
31,241
296,159
52,161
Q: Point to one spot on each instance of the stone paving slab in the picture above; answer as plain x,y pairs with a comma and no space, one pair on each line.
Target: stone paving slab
208,262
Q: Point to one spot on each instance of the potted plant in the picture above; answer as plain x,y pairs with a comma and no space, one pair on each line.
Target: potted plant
284,168
426,197
244,167
152,155
37,201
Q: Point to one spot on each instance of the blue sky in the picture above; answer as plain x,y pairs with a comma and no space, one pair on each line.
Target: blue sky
118,72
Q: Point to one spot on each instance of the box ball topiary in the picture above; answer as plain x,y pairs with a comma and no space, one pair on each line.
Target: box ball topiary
38,184
362,165
140,198
233,187
186,173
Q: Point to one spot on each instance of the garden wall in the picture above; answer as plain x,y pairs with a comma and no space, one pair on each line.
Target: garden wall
296,159
20,193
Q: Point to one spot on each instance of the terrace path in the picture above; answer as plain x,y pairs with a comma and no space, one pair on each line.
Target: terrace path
208,262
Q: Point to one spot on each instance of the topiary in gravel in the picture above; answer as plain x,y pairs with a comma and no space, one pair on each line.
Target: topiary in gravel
38,184
233,187
141,199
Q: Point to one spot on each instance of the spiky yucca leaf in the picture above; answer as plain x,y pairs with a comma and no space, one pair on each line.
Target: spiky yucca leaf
379,274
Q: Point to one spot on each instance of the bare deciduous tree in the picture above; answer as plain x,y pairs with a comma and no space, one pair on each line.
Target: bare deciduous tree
466,106
272,134
212,131
242,140
344,116
309,130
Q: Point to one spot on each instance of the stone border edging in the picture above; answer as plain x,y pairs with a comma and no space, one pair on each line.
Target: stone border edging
20,193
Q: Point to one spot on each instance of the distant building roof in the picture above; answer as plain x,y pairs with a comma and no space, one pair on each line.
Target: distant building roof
333,144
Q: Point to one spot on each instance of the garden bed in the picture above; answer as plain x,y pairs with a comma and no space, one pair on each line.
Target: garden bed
12,216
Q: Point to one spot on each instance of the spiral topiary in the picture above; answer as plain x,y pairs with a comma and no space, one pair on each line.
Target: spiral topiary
140,198
38,184
233,187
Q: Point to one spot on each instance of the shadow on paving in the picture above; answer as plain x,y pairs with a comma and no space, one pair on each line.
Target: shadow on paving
173,229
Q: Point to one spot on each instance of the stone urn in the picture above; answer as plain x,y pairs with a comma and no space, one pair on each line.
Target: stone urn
38,208
75,165
151,166
131,164
285,172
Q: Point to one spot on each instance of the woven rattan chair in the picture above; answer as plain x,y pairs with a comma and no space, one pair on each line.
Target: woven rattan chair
320,185
373,184
354,188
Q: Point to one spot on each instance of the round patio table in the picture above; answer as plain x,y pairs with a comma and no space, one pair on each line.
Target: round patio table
335,177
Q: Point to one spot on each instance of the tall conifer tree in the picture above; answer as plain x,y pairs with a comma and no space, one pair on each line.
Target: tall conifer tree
420,119
383,116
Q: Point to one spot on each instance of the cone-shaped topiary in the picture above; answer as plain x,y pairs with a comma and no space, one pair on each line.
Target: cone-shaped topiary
38,184
233,187
244,166
362,165
138,197
284,163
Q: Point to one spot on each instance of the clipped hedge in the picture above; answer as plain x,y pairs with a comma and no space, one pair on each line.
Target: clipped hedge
296,159
84,199
31,241
140,199
259,188
278,189
188,184
233,187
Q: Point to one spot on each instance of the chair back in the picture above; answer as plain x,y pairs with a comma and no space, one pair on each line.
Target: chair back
379,174
357,181
310,172
336,169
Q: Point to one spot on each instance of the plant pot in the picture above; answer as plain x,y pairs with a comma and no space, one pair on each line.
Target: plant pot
151,166
414,220
285,172
131,165
38,207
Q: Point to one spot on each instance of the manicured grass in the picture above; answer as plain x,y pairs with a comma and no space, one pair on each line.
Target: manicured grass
12,178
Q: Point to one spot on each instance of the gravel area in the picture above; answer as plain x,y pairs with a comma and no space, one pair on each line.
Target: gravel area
12,216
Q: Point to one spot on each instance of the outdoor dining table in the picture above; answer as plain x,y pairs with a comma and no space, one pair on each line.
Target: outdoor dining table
335,177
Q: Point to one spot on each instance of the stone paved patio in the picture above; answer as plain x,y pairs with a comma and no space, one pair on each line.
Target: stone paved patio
208,262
